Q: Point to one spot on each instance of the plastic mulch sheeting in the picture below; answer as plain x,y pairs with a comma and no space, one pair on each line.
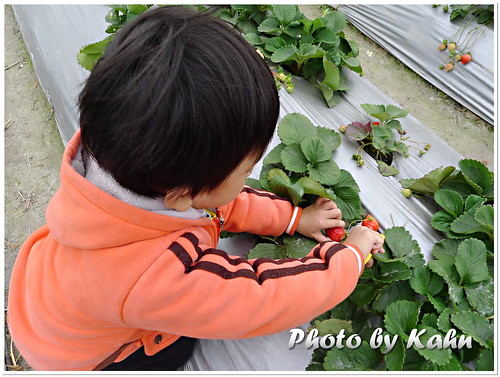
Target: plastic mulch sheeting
412,33
54,45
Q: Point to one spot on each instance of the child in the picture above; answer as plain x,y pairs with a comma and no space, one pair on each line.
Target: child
126,273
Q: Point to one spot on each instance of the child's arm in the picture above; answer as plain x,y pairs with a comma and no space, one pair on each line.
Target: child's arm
264,213
198,291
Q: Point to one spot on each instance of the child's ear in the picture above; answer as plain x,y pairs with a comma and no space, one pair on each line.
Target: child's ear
179,199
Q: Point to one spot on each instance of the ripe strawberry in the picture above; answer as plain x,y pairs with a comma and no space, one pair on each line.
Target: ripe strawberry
370,223
336,234
448,67
466,58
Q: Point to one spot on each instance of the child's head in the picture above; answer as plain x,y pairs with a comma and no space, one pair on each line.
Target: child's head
179,100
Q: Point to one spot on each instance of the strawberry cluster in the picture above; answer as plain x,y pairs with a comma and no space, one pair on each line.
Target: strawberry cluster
454,55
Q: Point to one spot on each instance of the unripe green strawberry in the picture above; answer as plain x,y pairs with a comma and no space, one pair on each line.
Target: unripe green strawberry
342,128
406,193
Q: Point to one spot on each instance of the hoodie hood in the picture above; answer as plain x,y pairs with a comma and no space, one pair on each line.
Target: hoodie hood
84,216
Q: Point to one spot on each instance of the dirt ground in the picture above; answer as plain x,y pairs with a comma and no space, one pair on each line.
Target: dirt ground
33,147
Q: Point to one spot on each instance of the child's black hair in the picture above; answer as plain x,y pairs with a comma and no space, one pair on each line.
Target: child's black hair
178,100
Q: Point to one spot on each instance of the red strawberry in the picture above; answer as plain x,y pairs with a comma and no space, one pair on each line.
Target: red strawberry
466,58
370,223
336,234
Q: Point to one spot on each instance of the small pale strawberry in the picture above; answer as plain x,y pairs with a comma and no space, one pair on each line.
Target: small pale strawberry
448,67
406,193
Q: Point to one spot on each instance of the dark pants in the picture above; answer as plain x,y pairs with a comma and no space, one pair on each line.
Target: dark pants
169,358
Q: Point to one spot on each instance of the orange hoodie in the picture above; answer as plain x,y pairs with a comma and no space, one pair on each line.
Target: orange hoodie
102,273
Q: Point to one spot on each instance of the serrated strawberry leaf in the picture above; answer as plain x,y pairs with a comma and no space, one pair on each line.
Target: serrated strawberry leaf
293,158
476,174
346,359
446,269
443,321
298,246
294,127
425,281
451,201
473,202
325,172
486,361
432,181
401,317
264,250
348,201
485,215
399,290
446,250
439,356
363,294
476,326
394,360
471,262
312,186
393,270
333,326
315,150
386,170
403,246
358,131
442,220
481,296
332,75
274,156
467,224
280,184
331,138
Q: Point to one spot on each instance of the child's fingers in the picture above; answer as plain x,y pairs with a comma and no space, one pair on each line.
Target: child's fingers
332,223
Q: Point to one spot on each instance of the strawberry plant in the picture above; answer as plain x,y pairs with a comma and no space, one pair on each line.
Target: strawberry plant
302,169
314,49
378,139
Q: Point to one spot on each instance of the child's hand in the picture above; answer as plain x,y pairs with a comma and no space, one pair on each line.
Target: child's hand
323,214
367,241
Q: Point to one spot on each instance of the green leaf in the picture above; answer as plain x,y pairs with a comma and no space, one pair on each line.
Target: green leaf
315,150
438,303
275,43
395,124
481,296
326,172
399,290
393,270
348,201
332,75
335,21
358,130
293,158
395,112
442,220
446,250
274,156
294,127
386,170
439,356
403,246
286,13
284,54
328,36
298,246
281,185
312,186
347,359
486,216
476,174
401,317
471,262
309,51
255,183
373,109
91,53
486,361
476,326
137,8
346,180
451,201
473,202
467,224
264,250
333,326
394,360
432,181
425,282
443,321
363,294
330,137
445,269
456,294
253,39
269,25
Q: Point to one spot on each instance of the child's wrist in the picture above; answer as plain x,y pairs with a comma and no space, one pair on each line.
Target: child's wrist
294,221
